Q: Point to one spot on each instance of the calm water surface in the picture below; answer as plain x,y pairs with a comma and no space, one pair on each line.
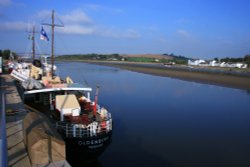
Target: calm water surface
165,122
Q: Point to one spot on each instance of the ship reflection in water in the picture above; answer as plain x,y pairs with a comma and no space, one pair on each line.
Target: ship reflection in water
162,121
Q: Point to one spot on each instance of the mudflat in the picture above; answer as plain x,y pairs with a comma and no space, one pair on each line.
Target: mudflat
232,79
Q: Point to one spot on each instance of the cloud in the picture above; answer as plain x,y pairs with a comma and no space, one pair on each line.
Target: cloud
183,33
77,16
14,26
77,29
2,15
94,7
5,2
42,14
116,33
100,8
74,17
183,21
130,33
162,40
76,22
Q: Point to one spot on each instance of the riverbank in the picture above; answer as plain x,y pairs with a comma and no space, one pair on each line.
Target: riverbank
227,78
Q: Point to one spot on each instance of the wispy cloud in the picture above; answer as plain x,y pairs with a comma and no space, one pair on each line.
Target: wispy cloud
76,22
13,26
183,21
101,8
42,14
116,33
162,40
77,29
2,15
5,2
183,33
73,17
224,41
77,17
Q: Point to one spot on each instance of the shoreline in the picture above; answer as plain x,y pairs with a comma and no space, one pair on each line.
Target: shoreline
220,78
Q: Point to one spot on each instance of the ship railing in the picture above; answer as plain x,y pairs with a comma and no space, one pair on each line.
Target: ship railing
92,129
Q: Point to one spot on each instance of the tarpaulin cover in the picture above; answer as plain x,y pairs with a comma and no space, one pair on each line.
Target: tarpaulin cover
31,83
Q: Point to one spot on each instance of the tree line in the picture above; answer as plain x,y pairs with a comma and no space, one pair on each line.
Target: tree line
6,54
178,59
245,59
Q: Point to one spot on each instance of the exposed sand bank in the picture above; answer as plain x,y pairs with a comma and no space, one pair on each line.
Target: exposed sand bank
215,78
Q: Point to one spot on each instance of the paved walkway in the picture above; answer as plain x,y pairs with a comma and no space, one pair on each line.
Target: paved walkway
17,154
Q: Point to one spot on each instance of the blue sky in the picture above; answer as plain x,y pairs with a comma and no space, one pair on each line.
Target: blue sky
193,28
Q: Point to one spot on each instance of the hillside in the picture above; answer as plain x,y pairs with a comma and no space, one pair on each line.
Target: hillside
155,56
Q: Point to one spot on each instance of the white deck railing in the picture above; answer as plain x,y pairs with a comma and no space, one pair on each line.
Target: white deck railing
81,130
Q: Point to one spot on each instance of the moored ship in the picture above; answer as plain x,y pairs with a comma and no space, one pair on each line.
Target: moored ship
85,126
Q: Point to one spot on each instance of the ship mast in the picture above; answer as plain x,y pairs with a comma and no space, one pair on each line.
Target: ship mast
53,25
33,44
32,37
52,42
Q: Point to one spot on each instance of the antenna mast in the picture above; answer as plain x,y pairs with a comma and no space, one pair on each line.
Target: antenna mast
32,37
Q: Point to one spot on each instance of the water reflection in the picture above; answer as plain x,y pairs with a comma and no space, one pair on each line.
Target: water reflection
161,121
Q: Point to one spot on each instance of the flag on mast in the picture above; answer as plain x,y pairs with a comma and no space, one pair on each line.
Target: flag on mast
43,35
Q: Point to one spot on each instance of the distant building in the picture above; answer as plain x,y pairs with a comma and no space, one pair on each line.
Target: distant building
196,62
213,63
233,65
157,60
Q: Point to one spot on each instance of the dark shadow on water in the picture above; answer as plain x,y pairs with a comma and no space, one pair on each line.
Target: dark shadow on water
133,155
127,152
92,163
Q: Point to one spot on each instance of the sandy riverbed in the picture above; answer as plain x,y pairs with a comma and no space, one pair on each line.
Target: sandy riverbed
215,78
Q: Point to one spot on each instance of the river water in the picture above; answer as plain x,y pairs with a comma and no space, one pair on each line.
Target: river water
166,122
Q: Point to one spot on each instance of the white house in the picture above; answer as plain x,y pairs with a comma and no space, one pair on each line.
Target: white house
240,65
234,65
214,63
195,62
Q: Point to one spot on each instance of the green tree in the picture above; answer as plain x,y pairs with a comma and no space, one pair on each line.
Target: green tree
247,60
6,54
216,59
